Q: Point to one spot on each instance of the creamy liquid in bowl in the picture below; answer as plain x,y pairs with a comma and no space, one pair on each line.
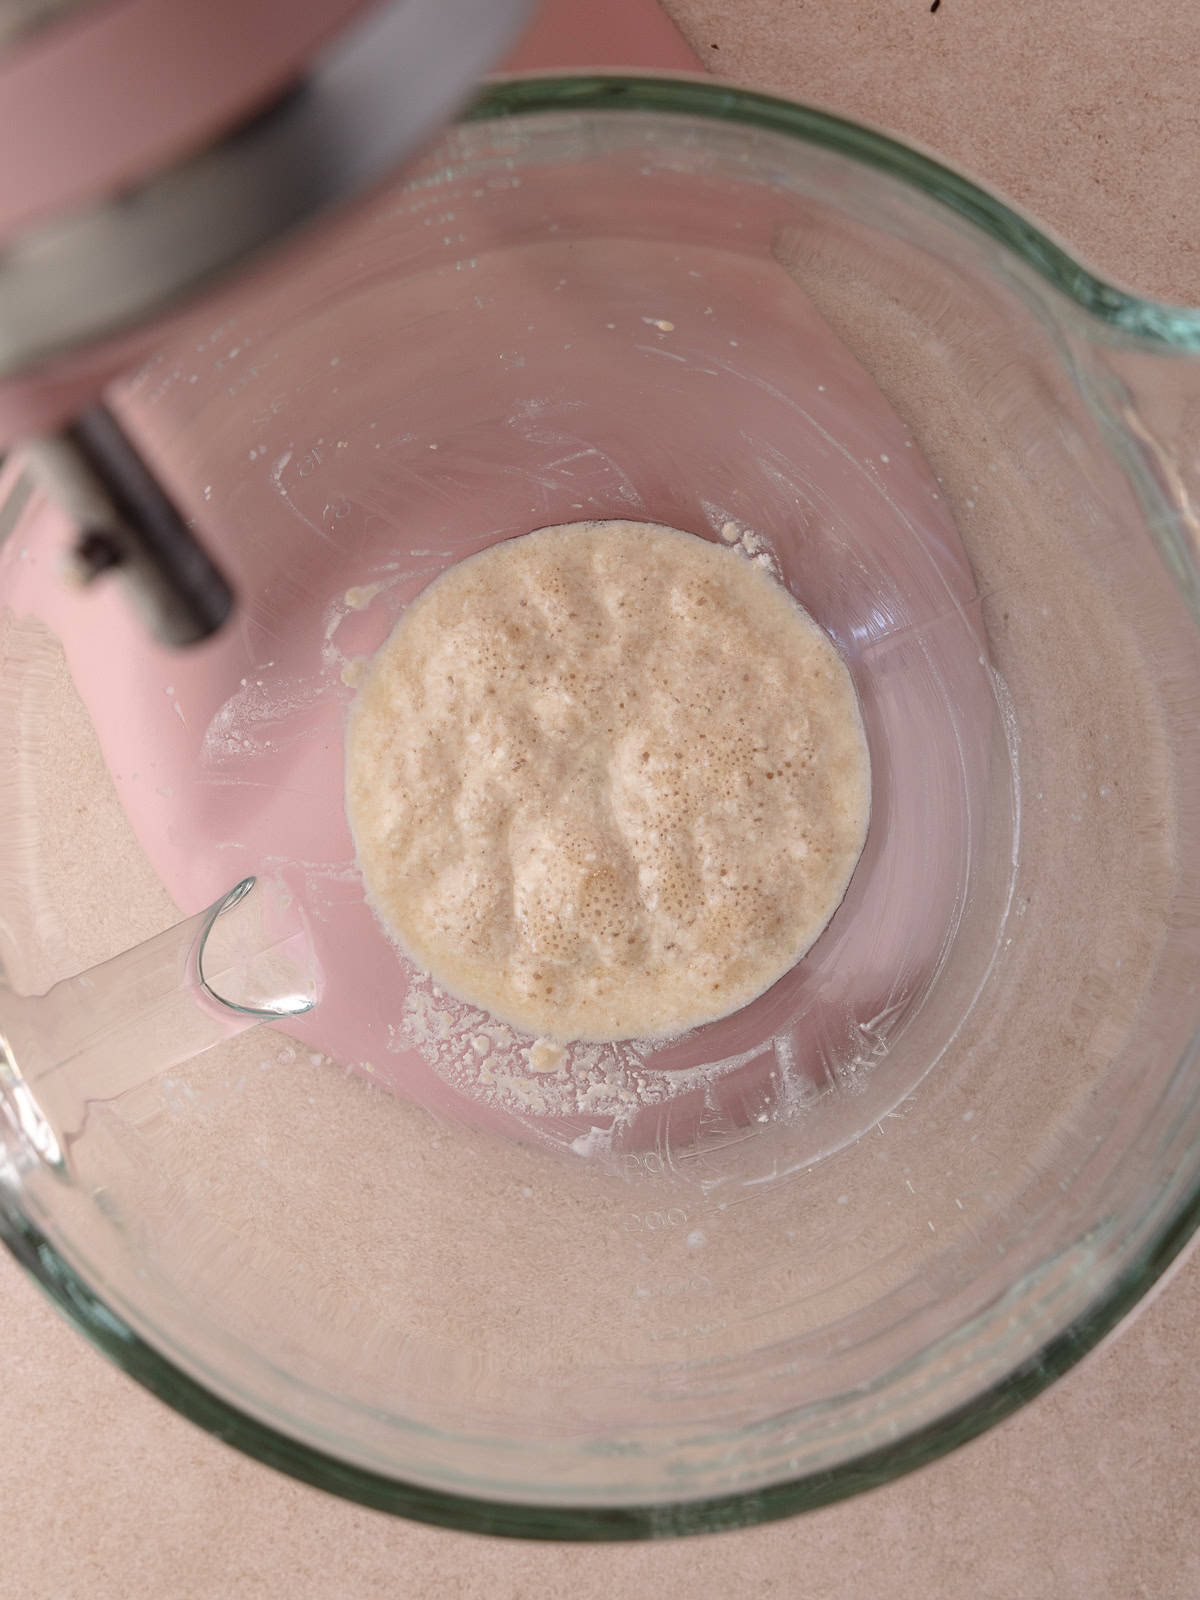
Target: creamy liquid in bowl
607,781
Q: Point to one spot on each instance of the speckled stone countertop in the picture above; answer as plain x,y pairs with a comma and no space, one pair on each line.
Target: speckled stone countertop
1084,112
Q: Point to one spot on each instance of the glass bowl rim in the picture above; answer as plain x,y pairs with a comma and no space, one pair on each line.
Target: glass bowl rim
1156,324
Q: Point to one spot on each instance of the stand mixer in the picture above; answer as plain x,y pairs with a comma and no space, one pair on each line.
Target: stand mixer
186,753
660,1287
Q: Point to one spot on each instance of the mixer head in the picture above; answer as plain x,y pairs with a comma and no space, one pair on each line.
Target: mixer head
164,149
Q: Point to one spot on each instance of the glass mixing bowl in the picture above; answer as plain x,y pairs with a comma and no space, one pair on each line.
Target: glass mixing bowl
664,1288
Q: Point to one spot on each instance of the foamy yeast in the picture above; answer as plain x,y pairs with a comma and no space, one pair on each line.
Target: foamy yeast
607,780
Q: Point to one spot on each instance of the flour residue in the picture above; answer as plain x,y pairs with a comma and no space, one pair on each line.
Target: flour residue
487,1060
748,542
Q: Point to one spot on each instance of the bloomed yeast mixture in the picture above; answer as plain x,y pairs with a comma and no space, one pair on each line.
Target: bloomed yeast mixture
607,781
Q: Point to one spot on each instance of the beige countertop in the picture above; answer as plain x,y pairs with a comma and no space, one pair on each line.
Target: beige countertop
1085,112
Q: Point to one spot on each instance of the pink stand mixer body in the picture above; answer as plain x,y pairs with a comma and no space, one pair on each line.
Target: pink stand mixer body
228,758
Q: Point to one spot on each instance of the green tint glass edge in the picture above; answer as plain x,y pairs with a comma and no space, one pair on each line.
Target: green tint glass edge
1166,326
111,1335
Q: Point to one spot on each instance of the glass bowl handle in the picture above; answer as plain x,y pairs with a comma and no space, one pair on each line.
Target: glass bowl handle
246,959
